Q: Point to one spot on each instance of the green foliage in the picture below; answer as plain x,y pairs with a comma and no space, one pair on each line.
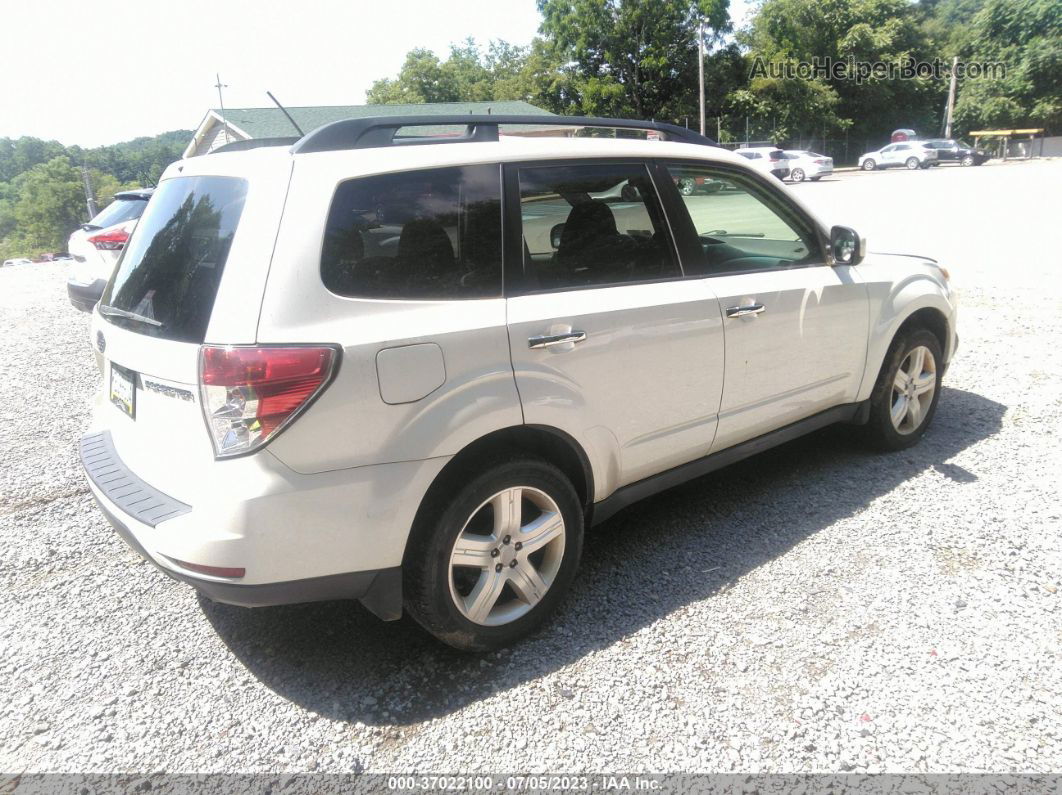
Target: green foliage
631,57
886,31
1026,36
42,195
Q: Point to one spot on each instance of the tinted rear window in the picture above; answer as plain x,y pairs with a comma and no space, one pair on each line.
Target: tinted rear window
423,235
118,211
171,268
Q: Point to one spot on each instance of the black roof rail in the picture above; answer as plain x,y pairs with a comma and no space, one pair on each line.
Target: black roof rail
254,143
379,131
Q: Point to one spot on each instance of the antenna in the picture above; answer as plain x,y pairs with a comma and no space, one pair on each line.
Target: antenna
285,112
221,102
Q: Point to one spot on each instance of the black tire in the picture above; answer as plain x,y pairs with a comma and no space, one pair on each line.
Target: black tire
442,519
869,165
911,163
687,186
797,175
968,160
880,431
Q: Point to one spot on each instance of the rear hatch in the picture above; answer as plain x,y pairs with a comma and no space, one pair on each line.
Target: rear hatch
192,272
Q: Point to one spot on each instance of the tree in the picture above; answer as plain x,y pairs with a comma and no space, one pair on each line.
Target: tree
869,31
50,204
1026,37
631,57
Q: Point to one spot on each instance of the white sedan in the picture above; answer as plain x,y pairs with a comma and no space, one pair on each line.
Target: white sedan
808,165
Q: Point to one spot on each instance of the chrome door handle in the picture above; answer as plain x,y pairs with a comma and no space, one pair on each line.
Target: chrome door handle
549,340
742,311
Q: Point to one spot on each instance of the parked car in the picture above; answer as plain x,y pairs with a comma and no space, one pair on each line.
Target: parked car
328,374
17,261
910,155
951,151
808,165
97,245
903,134
688,186
767,159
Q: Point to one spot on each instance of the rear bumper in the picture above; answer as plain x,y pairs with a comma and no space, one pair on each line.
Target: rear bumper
85,296
379,590
300,538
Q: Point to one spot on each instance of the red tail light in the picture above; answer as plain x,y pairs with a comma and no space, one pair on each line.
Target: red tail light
113,240
250,394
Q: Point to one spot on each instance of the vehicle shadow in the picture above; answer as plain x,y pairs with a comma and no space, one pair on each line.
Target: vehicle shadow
655,557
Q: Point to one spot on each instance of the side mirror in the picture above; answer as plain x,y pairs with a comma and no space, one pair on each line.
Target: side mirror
847,247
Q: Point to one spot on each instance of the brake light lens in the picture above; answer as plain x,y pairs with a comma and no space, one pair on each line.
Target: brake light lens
250,394
112,240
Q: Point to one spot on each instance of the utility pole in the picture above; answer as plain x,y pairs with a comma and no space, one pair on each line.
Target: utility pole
700,67
951,95
221,103
90,202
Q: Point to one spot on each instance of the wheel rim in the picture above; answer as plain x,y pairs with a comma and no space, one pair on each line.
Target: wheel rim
686,188
507,556
967,161
912,163
798,175
868,165
913,389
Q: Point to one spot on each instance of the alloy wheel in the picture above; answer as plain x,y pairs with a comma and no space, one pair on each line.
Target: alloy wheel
507,556
797,175
913,389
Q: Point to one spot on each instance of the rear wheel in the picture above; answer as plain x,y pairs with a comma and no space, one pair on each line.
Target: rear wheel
912,163
968,160
905,396
869,165
797,175
687,186
486,565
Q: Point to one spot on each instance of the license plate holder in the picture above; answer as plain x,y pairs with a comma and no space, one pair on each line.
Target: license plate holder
123,390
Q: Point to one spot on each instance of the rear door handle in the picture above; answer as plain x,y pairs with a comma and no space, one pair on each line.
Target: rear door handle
549,340
742,311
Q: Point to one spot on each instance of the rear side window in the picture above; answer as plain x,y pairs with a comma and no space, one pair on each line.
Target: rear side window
418,235
168,277
119,211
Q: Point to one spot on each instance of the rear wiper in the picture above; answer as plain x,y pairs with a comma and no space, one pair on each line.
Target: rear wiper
113,311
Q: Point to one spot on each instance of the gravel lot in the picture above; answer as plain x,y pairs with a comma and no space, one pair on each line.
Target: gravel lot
817,608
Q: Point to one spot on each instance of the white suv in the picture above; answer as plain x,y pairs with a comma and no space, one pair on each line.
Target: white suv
410,371
909,154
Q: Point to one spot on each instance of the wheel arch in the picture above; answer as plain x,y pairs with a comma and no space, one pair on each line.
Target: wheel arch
930,313
546,442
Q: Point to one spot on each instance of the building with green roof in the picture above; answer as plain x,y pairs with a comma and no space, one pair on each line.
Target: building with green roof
240,124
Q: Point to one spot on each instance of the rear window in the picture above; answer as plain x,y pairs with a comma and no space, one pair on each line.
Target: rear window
169,273
119,211
419,235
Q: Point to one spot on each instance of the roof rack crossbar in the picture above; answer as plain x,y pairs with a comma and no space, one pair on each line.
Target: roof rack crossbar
380,131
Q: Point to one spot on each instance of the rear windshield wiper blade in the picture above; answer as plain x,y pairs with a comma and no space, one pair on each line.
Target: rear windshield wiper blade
113,311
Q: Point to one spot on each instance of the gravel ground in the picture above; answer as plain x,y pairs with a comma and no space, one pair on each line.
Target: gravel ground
817,608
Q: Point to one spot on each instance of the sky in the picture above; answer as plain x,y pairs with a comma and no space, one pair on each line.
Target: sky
105,71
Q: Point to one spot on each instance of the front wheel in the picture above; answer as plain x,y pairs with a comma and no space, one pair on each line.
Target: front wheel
968,160
905,396
912,163
487,563
797,175
869,165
